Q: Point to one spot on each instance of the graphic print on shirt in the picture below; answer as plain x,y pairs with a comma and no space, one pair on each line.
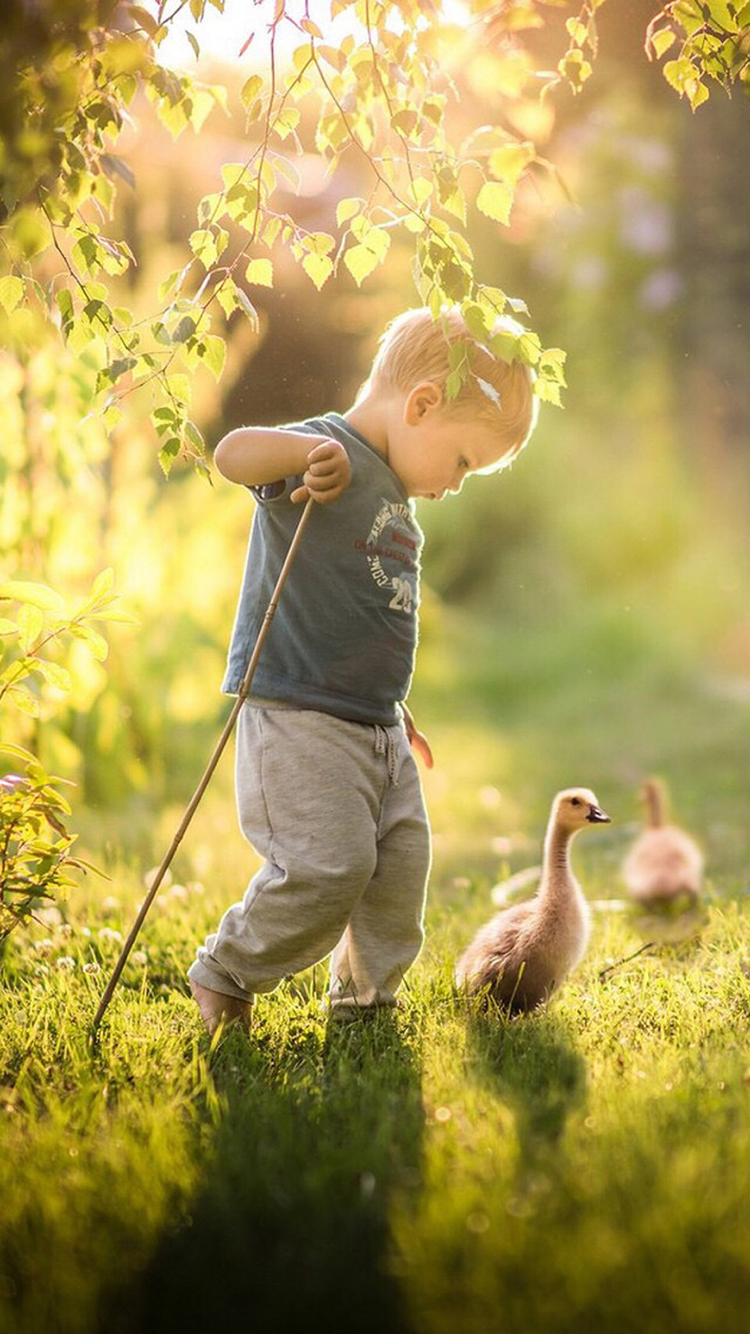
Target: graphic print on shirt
392,549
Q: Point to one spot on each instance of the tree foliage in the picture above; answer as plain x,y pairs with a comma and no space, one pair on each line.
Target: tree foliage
35,844
381,89
706,41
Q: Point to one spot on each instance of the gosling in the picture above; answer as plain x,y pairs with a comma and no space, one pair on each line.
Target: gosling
665,863
520,957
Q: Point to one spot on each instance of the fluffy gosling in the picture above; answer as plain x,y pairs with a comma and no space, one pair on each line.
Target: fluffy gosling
523,953
664,863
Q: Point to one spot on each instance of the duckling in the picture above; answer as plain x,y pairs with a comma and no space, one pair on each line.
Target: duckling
664,863
523,953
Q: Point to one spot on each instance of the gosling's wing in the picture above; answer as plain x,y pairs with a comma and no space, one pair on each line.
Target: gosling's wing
494,948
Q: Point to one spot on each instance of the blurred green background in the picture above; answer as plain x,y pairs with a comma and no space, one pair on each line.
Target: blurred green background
578,609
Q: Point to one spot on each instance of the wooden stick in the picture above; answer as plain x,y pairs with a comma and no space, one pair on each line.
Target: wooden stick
212,763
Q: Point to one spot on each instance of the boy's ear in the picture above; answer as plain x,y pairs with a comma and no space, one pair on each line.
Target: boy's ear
424,398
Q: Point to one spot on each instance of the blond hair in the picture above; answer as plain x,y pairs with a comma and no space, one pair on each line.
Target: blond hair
415,347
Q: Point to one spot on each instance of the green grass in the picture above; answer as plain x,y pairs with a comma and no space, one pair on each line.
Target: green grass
581,1169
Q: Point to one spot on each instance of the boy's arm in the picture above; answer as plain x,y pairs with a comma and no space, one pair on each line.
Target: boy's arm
417,740
254,456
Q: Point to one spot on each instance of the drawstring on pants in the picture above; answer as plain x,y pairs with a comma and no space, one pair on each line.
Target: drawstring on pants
385,745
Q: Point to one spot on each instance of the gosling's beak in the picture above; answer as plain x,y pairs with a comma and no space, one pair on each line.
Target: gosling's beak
597,816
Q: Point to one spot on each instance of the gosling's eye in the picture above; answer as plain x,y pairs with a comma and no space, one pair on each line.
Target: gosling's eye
574,801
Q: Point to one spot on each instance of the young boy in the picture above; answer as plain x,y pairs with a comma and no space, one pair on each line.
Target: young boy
327,787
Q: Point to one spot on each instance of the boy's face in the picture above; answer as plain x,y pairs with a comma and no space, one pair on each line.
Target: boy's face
432,450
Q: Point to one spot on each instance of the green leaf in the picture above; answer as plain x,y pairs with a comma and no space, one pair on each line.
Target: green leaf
478,320
320,243
677,72
529,348
453,383
455,203
551,364
226,297
360,262
64,301
286,122
144,19
30,232
16,671
96,642
55,675
251,90
103,584
318,267
111,417
215,354
30,625
347,208
195,437
505,346
116,616
235,173
203,246
496,200
661,41
23,701
413,223
166,286
548,391
184,329
433,109
260,272
578,31
404,122
333,56
247,306
271,230
168,453
510,161
18,752
85,255
179,387
420,190
39,595
379,241
11,292
697,93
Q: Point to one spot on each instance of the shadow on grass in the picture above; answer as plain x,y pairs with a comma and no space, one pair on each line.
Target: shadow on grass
291,1228
530,1064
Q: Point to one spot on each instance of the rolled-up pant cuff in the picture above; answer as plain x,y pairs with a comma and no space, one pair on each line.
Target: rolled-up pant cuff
216,980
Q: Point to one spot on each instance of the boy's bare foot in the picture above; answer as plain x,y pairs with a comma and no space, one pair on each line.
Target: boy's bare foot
214,1006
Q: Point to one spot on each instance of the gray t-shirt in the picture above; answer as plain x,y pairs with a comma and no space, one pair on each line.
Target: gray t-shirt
344,635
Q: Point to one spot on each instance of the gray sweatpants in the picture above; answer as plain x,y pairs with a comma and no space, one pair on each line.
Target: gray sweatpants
336,809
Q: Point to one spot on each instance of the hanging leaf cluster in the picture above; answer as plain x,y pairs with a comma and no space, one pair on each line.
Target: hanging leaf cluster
379,91
364,81
707,41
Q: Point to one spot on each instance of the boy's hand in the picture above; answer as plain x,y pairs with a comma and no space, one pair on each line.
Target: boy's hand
417,740
327,476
